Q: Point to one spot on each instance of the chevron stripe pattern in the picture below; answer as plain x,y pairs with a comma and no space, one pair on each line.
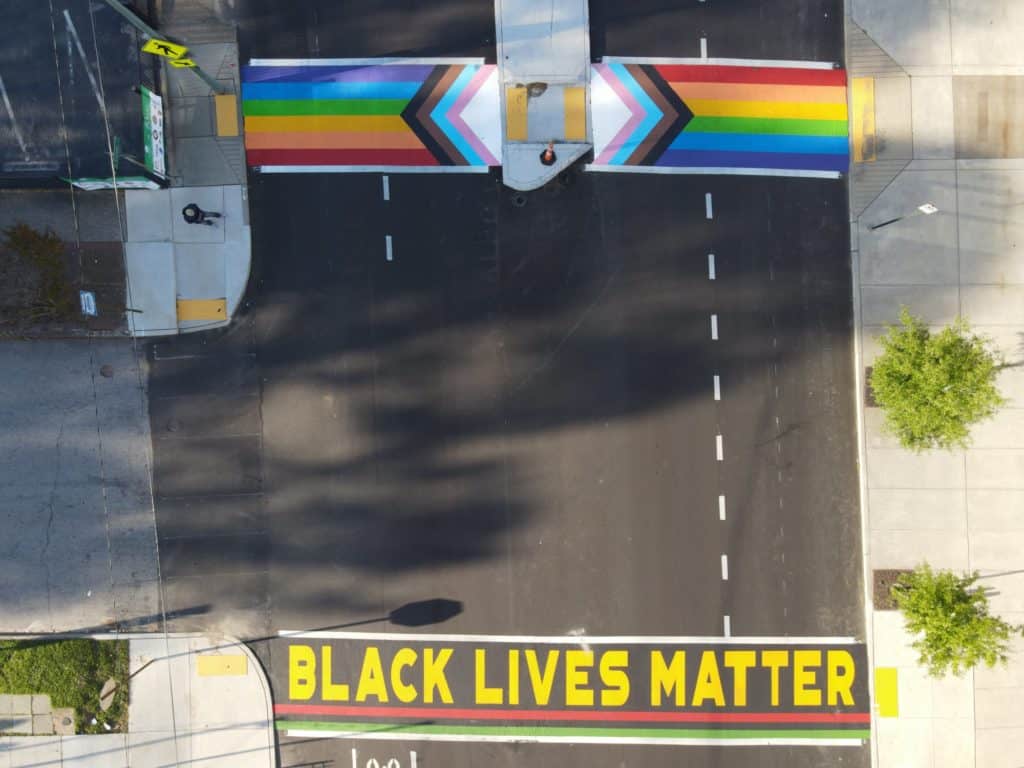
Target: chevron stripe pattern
370,115
736,118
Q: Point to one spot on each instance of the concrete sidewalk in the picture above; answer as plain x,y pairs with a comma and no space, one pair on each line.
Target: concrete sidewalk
195,701
942,125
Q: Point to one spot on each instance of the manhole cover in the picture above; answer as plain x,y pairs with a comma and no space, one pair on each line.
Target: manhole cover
107,371
519,200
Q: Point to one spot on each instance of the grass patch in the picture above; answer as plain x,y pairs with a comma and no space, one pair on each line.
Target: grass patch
72,672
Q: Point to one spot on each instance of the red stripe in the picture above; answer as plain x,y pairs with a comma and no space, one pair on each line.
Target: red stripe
340,157
697,73
583,715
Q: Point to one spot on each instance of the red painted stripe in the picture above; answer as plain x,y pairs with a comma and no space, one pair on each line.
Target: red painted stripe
697,73
584,715
415,157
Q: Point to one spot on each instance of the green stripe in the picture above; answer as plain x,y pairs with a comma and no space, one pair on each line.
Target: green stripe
570,732
285,107
764,125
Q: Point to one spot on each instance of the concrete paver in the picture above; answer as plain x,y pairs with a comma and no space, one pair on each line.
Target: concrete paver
932,114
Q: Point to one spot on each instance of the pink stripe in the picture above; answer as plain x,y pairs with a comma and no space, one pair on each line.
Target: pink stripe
455,113
631,104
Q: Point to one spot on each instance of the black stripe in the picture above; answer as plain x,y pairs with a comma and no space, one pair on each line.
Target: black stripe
678,125
409,115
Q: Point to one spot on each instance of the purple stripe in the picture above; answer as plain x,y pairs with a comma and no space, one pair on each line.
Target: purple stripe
686,158
389,73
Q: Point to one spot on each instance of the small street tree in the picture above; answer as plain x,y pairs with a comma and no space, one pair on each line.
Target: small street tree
933,387
950,616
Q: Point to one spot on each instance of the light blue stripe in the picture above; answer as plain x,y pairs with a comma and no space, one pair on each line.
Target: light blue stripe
318,91
647,125
439,116
742,142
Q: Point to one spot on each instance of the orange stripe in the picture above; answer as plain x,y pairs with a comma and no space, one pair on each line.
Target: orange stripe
809,94
333,140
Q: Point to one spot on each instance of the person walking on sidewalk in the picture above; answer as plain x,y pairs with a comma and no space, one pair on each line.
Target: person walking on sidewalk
195,215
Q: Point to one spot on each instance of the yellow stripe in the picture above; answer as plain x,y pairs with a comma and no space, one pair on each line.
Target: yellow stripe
575,114
515,113
202,309
330,123
785,110
887,692
220,665
862,122
227,114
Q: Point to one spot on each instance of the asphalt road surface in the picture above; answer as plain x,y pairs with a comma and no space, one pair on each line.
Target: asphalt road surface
519,411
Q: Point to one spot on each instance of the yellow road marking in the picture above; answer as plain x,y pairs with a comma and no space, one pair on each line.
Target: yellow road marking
576,114
227,114
515,113
862,122
887,692
784,110
202,309
223,665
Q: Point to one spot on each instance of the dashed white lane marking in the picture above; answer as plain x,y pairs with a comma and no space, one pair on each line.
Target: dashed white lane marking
725,567
719,453
718,388
726,626
14,123
387,187
721,506
73,31
355,758
709,210
387,245
714,327
711,266
703,47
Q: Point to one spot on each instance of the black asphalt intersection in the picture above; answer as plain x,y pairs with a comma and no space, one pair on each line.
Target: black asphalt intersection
623,409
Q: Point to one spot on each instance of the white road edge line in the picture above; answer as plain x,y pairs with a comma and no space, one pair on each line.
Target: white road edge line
726,625
387,187
387,245
723,62
719,452
725,567
709,210
721,506
389,735
711,266
546,639
714,327
718,388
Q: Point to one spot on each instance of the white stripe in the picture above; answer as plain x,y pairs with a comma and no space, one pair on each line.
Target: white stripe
558,640
711,266
704,48
714,327
709,210
389,735
718,388
387,246
359,62
726,625
667,170
88,69
788,64
14,123
725,567
387,187
355,758
721,507
371,169
412,758
719,453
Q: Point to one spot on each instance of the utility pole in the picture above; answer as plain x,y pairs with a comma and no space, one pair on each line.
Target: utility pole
151,33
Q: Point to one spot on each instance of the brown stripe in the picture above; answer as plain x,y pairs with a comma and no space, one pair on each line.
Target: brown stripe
669,114
423,115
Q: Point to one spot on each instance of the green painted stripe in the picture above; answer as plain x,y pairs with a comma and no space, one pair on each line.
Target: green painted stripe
569,732
285,107
767,125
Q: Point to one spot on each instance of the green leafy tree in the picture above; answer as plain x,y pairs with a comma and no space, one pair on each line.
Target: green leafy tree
933,387
949,614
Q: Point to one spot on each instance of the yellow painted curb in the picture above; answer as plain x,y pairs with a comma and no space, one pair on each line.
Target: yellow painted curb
862,123
227,114
887,692
223,665
202,309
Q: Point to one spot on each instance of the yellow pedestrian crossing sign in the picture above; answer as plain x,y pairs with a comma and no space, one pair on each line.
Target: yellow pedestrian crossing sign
165,48
181,63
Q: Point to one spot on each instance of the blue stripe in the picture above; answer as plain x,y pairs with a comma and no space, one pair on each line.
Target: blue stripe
741,142
320,91
685,158
650,120
439,116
